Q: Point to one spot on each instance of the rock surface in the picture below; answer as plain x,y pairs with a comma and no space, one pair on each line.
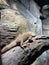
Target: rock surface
19,56
16,20
12,23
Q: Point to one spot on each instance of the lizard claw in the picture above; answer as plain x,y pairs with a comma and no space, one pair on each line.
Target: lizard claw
24,45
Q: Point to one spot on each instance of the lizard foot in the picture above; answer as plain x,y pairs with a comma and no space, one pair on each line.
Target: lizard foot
24,45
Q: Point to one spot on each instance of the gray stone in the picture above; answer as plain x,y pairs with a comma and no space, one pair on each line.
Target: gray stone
11,25
45,11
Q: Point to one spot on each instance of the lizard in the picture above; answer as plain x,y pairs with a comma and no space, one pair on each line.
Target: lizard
19,41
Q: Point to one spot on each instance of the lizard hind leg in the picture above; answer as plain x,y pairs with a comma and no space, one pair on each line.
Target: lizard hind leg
23,44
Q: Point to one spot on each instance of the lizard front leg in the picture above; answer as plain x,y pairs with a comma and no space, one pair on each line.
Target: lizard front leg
30,39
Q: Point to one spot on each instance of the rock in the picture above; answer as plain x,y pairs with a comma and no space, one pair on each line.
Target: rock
12,23
13,55
3,2
26,56
45,23
45,11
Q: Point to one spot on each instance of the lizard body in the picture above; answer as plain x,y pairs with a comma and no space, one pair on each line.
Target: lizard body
20,40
